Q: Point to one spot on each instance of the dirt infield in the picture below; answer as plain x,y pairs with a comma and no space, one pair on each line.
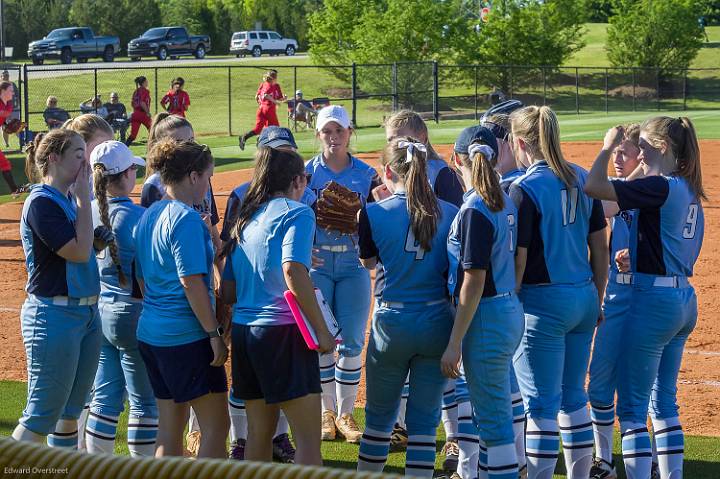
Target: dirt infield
699,383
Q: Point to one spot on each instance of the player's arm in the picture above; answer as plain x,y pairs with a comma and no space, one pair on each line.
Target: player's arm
77,250
597,183
301,286
368,250
527,216
197,295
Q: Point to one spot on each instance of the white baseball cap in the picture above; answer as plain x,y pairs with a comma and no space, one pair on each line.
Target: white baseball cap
334,113
115,156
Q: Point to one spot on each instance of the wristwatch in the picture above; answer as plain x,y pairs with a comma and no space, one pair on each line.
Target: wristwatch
217,333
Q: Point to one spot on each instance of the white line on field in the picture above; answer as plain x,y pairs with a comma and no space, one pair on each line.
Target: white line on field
9,310
702,353
714,384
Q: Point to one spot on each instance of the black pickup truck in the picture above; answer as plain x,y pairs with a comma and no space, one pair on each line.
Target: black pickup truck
74,42
164,42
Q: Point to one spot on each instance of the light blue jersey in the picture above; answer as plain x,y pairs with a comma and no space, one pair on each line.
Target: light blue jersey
124,217
497,231
411,274
281,230
507,179
171,241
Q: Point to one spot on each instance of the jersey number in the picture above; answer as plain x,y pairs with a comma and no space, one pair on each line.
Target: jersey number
412,246
569,203
691,222
511,223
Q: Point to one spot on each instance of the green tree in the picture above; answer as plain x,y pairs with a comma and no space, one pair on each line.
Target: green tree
662,34
24,23
101,15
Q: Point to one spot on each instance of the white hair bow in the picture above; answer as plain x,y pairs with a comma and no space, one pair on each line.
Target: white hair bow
411,146
486,151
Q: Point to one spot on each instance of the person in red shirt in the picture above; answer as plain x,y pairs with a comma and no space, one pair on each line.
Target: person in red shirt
176,101
268,96
6,108
141,109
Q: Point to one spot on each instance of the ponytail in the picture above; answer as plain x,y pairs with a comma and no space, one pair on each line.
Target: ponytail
37,161
485,179
139,81
100,182
31,170
406,158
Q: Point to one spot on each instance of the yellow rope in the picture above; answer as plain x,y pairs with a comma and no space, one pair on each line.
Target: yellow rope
23,460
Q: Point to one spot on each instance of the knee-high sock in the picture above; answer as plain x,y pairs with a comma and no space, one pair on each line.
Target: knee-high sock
603,419
193,424
420,459
81,423
282,425
482,464
468,442
577,437
100,432
65,434
327,381
21,433
403,403
238,419
653,444
519,429
502,462
541,447
450,411
142,435
636,449
347,379
670,443
374,448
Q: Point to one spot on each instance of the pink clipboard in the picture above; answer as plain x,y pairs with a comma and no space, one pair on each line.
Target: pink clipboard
306,329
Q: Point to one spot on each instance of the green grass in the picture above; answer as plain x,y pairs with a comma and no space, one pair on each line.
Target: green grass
702,459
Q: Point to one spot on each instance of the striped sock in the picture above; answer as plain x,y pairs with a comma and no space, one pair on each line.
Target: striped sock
603,419
403,403
519,429
347,380
238,418
670,442
502,462
65,435
420,459
468,442
374,448
81,424
100,431
327,381
450,411
576,431
482,464
637,452
142,435
542,443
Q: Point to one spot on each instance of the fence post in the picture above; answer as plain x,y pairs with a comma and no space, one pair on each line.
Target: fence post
96,92
685,90
633,87
657,88
229,101
544,87
156,90
295,88
354,94
476,92
436,100
577,90
606,91
395,86
26,96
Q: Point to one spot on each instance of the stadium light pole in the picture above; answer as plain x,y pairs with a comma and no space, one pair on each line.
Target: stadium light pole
2,31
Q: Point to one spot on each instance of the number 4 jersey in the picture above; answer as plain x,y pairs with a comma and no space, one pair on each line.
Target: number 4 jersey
668,227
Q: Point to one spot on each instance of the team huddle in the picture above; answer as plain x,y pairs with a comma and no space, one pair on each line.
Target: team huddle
493,273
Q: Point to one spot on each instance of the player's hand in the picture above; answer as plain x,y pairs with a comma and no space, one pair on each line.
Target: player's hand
601,317
450,362
381,192
220,351
316,261
622,260
326,343
102,236
82,182
613,137
207,219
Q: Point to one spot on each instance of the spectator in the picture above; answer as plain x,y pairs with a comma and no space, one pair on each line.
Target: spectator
54,116
117,115
94,105
304,110
15,115
176,101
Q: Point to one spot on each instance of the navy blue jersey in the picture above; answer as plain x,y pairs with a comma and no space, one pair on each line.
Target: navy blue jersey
444,182
483,239
47,224
507,179
667,234
235,201
153,190
358,177
554,222
410,273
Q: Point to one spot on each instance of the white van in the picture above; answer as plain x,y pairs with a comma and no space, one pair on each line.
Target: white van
257,42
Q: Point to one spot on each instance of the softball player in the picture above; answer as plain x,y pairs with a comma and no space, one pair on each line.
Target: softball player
665,240
7,91
141,109
268,96
269,253
121,369
94,130
561,291
408,231
489,320
59,317
176,101
344,283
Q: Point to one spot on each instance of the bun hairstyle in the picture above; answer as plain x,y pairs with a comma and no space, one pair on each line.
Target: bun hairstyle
37,160
175,160
406,158
100,183
270,75
177,81
485,180
274,173
538,127
139,81
681,139
89,125
410,120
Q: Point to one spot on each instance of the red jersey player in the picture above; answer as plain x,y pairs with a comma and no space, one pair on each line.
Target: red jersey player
176,101
6,108
268,96
141,108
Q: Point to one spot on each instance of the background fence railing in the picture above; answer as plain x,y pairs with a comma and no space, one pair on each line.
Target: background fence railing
223,96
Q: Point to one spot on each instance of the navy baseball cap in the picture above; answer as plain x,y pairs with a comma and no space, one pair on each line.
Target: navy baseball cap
276,136
475,134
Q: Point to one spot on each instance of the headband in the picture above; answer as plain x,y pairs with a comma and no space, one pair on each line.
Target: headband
411,146
486,151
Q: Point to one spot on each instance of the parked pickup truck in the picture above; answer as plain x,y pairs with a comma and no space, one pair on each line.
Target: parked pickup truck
73,42
167,42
